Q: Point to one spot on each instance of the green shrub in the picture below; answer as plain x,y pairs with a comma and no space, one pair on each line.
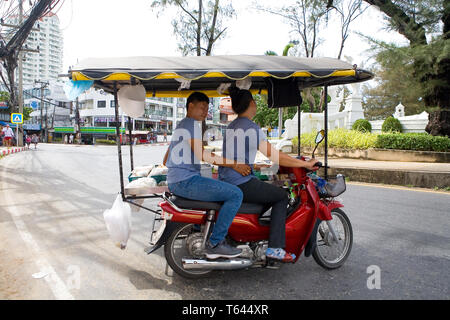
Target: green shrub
413,141
104,141
391,124
362,125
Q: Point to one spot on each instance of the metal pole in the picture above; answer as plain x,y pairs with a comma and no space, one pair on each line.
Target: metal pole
46,123
326,129
119,149
77,121
131,143
280,121
42,106
299,122
20,85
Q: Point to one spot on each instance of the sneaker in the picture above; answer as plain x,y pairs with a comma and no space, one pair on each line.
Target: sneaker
280,254
222,249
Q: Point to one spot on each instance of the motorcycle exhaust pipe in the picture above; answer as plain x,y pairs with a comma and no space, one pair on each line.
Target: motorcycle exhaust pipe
202,264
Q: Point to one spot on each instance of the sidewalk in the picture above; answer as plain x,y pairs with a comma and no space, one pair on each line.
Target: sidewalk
5,151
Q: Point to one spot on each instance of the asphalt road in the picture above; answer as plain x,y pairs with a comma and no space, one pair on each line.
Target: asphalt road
54,243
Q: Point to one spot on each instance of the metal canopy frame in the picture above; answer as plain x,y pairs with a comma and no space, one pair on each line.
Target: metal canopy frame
161,76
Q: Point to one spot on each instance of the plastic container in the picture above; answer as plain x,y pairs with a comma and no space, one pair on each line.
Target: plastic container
260,176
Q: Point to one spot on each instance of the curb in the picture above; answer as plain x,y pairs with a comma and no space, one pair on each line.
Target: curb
422,179
11,150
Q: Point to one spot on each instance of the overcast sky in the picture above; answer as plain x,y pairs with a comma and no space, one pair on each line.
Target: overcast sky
113,28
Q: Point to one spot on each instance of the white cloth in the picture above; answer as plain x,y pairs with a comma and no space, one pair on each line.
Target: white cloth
8,132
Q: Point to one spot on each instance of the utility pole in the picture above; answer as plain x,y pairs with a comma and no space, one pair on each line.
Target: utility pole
10,53
20,86
43,84
77,120
46,124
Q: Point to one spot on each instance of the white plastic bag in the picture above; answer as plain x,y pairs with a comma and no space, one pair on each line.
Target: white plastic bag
159,170
142,183
146,182
141,171
118,222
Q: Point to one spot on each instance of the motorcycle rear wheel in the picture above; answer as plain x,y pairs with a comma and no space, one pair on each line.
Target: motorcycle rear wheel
330,254
175,249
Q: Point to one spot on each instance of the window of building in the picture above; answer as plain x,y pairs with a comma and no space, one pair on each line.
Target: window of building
101,104
112,104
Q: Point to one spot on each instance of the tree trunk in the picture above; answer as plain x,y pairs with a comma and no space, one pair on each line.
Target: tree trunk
439,123
406,26
199,27
415,33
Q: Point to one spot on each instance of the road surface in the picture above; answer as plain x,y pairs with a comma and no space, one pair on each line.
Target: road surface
54,243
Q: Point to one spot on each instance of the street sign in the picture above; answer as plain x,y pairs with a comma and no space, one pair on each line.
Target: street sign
3,105
17,118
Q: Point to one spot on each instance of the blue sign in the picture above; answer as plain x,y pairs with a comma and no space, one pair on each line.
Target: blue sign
34,104
16,118
32,126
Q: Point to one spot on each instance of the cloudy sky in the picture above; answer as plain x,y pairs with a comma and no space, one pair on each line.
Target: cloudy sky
113,28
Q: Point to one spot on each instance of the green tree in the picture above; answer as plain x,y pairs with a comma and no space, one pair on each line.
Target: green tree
27,113
268,117
198,27
426,25
396,83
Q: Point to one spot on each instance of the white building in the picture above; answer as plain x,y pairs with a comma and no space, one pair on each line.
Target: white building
161,114
46,64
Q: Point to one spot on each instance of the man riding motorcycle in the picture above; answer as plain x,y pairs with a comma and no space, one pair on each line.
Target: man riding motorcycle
184,179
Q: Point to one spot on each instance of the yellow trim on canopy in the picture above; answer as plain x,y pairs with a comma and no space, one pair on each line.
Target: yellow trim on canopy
186,93
77,75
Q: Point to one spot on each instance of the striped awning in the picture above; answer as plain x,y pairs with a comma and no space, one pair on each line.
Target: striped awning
180,76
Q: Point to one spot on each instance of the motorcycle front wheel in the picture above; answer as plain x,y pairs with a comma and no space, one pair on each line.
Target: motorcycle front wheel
176,248
329,253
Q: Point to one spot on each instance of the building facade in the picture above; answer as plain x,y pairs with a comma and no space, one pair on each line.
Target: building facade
46,64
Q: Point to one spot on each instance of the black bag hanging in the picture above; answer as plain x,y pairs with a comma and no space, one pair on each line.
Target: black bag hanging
283,92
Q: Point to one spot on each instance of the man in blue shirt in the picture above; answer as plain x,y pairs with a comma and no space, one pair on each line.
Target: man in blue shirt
184,179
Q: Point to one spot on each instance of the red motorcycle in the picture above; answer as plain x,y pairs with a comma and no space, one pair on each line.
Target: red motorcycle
315,225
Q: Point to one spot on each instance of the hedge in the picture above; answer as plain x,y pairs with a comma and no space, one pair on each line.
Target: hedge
413,141
391,124
104,141
362,125
340,138
352,139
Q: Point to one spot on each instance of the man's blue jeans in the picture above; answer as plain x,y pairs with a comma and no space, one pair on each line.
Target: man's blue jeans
206,189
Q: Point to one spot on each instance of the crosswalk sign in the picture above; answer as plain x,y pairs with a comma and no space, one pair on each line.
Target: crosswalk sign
17,118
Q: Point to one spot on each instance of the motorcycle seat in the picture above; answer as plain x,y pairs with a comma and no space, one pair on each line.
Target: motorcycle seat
184,203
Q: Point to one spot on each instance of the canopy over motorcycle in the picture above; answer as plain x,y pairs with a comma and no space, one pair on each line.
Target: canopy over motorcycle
213,75
165,76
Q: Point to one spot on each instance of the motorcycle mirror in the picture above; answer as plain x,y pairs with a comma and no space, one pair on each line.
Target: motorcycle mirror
320,136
